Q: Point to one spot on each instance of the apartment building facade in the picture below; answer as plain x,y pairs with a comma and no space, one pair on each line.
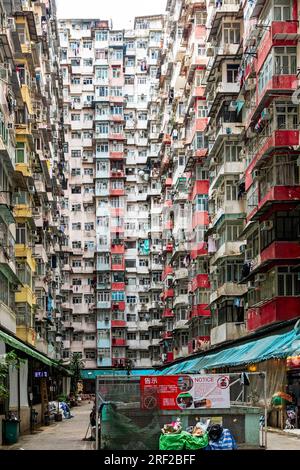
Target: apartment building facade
107,77
182,162
31,175
228,74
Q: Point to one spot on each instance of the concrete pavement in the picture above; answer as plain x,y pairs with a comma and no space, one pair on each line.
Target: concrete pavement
281,441
65,435
68,435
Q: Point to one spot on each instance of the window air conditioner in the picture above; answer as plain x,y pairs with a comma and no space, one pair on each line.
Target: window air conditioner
232,106
260,278
267,225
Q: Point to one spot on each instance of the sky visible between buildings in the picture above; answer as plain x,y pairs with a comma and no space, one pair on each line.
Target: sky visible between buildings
121,12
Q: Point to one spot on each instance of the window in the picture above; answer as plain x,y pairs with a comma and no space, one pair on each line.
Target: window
131,336
88,62
282,10
144,354
76,189
288,282
285,59
116,72
201,110
77,299
90,354
101,73
101,35
76,263
144,335
287,116
200,18
232,73
201,202
265,74
231,152
76,154
88,81
200,141
231,190
21,153
87,45
231,33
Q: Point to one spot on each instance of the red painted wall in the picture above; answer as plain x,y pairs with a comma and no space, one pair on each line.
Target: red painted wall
278,309
281,250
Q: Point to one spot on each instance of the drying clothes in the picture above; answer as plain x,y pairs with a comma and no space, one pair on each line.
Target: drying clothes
211,245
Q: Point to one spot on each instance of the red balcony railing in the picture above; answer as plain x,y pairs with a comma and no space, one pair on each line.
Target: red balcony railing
118,342
275,310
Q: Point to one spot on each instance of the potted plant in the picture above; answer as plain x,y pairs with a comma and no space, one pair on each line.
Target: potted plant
11,423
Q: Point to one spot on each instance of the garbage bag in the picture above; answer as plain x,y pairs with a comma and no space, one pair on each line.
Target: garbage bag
172,441
196,442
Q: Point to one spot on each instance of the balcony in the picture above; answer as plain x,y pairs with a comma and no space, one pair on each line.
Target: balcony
26,295
217,94
200,310
26,334
89,344
280,250
227,249
180,325
227,168
118,324
104,304
181,273
226,130
226,8
167,313
277,194
280,85
167,334
266,144
154,342
22,251
182,299
228,208
227,332
120,342
274,310
228,289
7,317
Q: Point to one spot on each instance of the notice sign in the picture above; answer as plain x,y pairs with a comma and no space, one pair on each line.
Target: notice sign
175,392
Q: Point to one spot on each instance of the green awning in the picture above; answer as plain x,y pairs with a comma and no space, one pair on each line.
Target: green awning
6,270
92,374
16,344
6,214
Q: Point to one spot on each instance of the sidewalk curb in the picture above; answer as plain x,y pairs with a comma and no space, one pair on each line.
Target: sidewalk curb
283,433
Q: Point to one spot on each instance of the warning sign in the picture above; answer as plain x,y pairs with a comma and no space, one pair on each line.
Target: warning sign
185,391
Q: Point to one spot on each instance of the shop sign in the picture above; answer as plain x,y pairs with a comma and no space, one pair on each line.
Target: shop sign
40,374
178,392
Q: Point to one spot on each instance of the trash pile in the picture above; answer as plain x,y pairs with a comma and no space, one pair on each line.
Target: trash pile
202,436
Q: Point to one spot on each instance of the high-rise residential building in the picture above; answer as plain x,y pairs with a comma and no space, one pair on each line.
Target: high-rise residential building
107,290
186,313
31,174
229,163
181,208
